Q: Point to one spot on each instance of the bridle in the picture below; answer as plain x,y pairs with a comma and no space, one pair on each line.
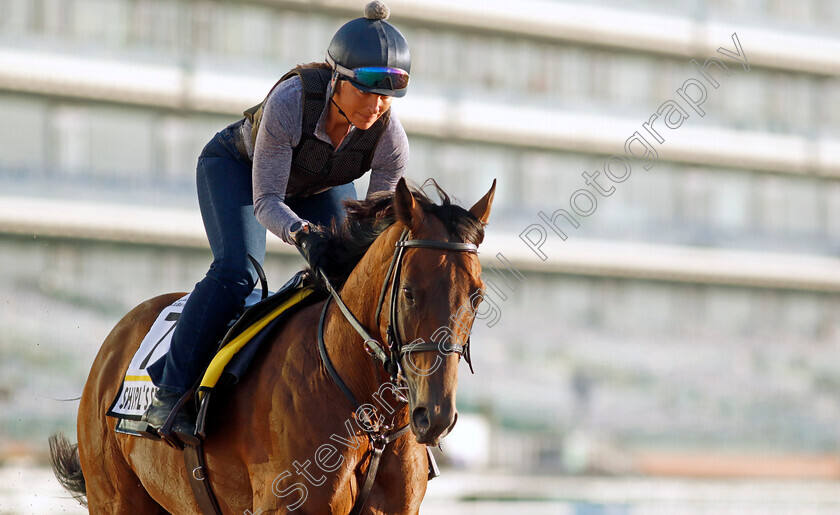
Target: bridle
393,364
391,357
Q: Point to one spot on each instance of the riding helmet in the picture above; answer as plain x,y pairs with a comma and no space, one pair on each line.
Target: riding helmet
370,42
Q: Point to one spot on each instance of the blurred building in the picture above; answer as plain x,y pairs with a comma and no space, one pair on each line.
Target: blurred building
696,308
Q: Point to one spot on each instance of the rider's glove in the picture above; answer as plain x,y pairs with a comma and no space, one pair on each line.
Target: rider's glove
312,244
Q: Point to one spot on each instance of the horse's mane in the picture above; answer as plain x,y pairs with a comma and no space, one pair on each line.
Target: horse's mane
367,219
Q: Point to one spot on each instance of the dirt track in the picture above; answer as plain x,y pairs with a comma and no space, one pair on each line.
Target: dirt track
29,490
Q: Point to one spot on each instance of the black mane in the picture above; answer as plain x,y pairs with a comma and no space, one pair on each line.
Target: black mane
367,219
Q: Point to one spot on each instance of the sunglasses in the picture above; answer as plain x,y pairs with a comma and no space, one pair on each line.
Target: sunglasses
375,77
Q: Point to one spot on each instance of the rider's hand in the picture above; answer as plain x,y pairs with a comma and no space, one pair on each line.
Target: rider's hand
312,243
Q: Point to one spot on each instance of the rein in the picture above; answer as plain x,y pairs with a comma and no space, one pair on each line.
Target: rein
381,435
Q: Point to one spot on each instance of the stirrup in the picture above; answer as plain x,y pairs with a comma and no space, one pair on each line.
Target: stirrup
166,433
136,428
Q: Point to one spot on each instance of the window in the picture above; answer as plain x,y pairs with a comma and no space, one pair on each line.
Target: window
256,22
15,14
22,138
831,192
575,80
802,315
99,21
803,208
56,17
539,187
729,202
730,312
770,197
632,80
120,143
477,56
72,138
177,153
793,102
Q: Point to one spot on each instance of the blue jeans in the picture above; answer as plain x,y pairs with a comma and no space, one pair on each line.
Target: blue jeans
225,197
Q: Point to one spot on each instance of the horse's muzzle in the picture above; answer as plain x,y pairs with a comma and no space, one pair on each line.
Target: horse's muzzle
430,426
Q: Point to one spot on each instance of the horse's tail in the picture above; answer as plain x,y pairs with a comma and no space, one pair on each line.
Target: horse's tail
66,466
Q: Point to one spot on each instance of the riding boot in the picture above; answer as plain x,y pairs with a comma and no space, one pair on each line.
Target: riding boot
160,408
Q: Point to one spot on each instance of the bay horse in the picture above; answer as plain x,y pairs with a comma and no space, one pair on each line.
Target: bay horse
285,438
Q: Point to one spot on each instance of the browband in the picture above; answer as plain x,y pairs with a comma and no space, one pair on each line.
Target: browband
442,245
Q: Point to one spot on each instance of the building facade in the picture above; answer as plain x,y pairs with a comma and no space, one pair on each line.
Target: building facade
694,306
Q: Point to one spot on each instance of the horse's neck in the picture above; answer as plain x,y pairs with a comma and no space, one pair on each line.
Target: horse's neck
360,292
362,287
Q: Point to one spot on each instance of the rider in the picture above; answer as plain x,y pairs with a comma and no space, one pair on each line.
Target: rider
287,166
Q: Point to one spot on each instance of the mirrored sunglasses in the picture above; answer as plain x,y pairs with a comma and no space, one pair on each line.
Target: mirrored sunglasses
375,77
381,78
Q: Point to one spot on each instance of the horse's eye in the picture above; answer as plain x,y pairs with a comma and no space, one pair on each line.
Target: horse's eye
408,293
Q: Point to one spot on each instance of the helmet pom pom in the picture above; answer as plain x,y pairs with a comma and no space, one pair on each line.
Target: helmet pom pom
377,10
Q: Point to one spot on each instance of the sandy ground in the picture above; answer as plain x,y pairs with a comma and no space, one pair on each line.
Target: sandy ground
27,489
34,490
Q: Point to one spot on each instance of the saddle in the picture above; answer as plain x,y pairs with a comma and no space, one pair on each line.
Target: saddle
245,336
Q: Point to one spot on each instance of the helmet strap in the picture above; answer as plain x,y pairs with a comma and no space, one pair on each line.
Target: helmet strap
340,111
334,85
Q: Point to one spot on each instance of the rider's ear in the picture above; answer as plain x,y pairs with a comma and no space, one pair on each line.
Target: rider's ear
407,209
481,209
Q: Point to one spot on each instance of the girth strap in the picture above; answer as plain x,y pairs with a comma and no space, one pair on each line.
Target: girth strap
378,444
199,482
370,477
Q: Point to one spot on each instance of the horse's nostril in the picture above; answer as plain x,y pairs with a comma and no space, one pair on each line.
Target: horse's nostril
420,417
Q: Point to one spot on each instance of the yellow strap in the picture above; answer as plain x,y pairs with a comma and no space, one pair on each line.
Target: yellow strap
217,366
138,378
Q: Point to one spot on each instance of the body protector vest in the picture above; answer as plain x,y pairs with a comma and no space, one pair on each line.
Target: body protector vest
316,165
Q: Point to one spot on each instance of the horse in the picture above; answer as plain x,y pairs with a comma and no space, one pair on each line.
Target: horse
285,438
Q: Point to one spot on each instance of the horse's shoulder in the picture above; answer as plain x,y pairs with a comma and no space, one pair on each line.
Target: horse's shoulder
292,359
296,342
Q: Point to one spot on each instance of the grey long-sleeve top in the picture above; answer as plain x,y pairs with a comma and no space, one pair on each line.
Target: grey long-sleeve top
280,132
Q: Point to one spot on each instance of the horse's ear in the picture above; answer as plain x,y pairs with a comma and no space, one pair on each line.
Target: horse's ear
481,209
407,209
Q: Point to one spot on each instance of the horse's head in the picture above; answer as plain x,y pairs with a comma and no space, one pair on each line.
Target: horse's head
437,293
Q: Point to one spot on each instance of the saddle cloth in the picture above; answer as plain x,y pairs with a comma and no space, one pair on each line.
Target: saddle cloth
137,389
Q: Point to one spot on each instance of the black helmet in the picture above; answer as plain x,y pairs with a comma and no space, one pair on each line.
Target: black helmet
371,53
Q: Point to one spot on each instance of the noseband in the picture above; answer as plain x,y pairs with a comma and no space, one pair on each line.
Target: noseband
391,358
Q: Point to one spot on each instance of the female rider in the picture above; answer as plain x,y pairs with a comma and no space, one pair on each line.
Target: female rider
286,167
